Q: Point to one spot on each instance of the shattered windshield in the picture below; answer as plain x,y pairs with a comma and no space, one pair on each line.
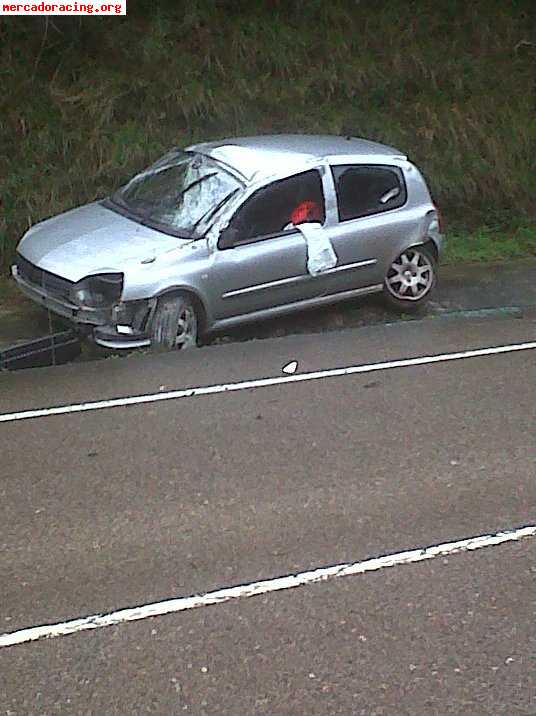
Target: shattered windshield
179,192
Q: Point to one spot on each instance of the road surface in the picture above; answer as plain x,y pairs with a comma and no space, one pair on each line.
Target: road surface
127,506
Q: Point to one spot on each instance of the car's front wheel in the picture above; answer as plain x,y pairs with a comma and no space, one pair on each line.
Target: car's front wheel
411,279
174,324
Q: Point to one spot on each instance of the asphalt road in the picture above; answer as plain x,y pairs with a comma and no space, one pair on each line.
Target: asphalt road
126,506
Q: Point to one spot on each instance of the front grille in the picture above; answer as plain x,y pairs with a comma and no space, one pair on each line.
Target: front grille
49,282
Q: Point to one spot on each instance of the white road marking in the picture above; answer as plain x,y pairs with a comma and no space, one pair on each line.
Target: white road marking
261,382
291,367
278,584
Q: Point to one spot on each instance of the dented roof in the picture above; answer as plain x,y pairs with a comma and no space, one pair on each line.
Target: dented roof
262,156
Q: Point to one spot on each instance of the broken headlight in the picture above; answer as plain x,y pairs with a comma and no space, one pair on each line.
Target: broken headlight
101,291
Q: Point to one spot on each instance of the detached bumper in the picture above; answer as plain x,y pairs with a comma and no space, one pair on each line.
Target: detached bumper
54,349
120,337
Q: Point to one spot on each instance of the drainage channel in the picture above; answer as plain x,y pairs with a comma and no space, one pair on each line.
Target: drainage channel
62,345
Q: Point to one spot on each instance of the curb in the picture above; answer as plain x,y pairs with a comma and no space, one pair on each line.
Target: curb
499,312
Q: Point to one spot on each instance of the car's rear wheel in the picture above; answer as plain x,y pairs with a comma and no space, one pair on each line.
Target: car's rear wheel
411,279
175,323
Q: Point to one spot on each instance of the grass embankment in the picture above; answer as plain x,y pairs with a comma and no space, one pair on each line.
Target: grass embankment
489,244
86,103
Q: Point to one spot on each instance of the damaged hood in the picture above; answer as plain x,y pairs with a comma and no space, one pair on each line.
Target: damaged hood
92,239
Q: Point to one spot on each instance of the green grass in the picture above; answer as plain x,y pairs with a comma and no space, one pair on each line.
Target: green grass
490,245
86,103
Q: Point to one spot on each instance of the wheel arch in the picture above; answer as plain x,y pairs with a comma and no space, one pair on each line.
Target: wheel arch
428,243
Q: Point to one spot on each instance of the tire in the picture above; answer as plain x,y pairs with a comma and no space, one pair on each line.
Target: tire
411,279
175,324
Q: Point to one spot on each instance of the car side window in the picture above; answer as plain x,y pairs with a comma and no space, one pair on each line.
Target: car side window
279,207
366,190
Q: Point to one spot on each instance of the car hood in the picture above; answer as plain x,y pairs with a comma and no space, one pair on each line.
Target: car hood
92,239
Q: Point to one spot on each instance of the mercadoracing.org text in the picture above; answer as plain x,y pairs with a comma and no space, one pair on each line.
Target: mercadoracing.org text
119,7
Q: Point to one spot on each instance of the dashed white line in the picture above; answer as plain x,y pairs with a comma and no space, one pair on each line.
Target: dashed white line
244,591
261,383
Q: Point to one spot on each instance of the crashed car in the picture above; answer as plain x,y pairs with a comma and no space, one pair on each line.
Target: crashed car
234,231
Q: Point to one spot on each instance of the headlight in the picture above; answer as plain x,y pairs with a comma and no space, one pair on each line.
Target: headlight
100,291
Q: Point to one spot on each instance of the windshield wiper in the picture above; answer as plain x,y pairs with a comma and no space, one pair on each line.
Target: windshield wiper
210,213
196,182
149,211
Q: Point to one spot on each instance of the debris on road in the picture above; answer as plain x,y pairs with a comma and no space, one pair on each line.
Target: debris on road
291,368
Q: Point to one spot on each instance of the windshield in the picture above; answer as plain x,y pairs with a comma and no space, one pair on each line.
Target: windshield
179,192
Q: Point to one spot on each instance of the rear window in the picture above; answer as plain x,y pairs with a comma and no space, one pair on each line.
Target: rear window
366,190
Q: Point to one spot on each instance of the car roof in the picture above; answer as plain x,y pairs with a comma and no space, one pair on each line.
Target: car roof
263,156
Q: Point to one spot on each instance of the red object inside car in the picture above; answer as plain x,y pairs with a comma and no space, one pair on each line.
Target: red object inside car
306,211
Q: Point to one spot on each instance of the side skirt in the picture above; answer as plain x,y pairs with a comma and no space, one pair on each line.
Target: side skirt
265,314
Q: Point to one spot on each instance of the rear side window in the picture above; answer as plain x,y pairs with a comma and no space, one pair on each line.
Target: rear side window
366,190
280,206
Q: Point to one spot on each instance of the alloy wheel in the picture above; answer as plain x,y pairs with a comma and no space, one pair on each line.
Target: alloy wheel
410,276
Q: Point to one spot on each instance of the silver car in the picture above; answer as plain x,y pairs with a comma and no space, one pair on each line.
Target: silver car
234,231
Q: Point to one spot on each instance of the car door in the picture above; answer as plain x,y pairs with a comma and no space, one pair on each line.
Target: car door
371,203
261,258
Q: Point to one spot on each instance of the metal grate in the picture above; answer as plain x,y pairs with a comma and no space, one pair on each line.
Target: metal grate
49,282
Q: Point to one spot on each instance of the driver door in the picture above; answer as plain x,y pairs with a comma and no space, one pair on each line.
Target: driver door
261,259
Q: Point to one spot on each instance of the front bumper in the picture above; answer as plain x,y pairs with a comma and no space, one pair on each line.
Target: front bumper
61,307
104,324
